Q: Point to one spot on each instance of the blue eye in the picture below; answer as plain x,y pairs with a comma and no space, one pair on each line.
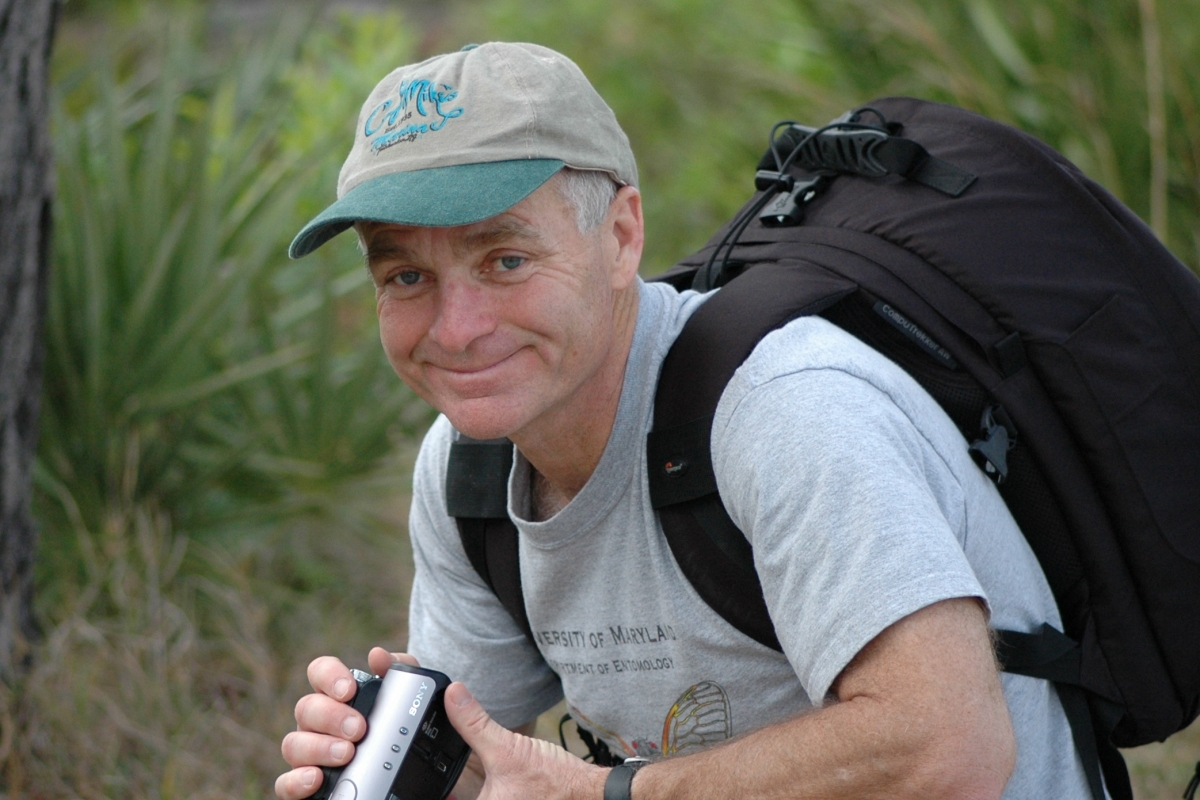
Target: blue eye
409,277
511,262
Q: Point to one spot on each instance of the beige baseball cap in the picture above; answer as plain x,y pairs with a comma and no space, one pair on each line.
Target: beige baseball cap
464,136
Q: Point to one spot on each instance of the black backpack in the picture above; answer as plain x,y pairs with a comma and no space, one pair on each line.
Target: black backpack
1051,325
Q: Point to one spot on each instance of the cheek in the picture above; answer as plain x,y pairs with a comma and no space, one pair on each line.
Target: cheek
591,318
399,331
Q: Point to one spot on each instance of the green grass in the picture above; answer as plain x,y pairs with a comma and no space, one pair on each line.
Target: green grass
191,368
223,465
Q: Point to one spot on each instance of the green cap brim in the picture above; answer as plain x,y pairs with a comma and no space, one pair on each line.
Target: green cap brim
440,197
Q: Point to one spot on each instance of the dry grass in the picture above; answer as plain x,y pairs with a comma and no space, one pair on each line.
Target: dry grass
165,681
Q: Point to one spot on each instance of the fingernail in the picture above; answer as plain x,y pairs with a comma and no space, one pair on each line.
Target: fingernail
350,726
462,696
342,687
310,777
338,750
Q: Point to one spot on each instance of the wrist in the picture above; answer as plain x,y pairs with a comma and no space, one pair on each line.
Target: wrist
589,784
619,784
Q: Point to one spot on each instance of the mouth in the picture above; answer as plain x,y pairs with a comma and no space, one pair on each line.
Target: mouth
469,370
473,379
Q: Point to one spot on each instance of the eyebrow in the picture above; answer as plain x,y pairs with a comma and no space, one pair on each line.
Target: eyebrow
376,252
502,230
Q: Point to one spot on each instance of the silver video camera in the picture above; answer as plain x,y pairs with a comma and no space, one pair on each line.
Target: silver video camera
410,750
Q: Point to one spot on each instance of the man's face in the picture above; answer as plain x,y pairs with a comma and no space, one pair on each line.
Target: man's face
509,321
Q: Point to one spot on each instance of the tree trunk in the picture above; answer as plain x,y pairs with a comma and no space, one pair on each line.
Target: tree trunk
26,188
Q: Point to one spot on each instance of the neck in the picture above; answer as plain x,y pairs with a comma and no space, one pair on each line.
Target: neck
565,445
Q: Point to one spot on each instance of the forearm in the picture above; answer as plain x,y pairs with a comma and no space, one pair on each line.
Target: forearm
849,749
922,715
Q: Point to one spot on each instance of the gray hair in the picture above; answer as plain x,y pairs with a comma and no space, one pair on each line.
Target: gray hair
590,193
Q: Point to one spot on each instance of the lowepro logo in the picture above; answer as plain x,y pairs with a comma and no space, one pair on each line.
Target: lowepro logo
416,703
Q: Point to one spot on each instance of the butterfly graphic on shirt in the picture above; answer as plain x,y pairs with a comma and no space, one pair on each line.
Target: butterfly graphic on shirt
699,718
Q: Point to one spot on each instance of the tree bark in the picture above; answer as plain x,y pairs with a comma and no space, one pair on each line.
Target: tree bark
26,189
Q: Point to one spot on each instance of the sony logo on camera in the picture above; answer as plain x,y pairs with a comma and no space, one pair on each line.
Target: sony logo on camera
416,703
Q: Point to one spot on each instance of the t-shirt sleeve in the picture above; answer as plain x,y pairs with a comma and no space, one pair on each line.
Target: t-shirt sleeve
456,623
855,520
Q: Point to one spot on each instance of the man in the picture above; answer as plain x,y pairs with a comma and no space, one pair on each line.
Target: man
495,198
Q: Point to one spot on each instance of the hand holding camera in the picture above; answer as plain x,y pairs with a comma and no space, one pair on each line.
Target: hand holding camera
406,747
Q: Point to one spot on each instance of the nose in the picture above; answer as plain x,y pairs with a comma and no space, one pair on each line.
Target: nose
464,314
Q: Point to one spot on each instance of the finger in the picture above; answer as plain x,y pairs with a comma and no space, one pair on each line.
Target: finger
483,734
320,714
303,748
330,676
298,783
380,659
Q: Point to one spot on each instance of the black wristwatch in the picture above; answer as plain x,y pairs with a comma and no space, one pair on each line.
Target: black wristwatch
619,781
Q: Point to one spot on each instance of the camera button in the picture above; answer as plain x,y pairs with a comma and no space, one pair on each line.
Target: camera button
346,790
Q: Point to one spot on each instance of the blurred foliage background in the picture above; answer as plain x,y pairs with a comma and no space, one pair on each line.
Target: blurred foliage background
225,454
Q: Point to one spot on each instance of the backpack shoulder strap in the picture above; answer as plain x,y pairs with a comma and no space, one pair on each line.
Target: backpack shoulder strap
1051,655
710,550
477,498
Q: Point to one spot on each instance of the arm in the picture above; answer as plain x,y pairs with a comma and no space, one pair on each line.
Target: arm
920,714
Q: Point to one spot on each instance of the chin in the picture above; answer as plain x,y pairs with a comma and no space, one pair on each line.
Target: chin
475,431
482,419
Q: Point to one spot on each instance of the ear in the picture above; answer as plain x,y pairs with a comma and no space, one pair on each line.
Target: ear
628,231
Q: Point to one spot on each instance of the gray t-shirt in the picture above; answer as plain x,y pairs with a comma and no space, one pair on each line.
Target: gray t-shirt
861,503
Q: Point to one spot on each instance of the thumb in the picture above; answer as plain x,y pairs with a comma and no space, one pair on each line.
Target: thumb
483,734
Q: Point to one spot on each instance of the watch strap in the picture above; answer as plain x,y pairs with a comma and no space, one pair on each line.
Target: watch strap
620,780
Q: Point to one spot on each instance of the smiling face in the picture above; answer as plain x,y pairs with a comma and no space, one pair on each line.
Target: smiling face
515,326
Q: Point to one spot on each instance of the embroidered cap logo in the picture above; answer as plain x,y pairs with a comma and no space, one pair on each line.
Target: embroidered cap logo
391,122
